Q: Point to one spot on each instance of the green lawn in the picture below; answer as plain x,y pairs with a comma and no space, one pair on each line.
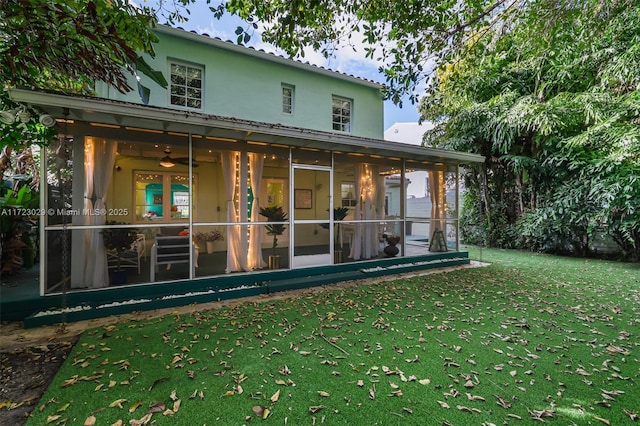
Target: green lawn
529,336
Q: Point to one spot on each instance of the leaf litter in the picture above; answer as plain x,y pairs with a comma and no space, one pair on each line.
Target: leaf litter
532,346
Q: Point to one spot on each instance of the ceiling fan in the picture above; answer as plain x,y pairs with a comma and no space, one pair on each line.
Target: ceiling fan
168,162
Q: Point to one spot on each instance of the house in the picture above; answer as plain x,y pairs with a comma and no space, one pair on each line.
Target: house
184,178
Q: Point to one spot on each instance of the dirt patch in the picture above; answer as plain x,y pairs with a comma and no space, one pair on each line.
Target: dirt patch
26,374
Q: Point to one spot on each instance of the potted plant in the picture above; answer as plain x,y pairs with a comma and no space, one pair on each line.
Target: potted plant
119,240
391,250
274,214
339,213
209,238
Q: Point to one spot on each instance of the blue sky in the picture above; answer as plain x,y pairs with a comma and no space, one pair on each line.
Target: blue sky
344,60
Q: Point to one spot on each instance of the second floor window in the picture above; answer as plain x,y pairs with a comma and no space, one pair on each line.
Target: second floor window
186,86
287,99
341,114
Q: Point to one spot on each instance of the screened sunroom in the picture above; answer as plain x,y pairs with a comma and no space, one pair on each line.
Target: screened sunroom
169,196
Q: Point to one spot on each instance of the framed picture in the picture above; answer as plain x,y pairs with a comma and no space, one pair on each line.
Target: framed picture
157,199
302,198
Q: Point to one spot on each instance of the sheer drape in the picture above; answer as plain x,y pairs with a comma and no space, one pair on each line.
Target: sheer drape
100,158
438,201
365,236
230,170
255,260
82,280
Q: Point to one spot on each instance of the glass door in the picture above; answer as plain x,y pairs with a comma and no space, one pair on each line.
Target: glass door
311,197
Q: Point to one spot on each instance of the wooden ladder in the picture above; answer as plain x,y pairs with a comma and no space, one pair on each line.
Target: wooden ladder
438,243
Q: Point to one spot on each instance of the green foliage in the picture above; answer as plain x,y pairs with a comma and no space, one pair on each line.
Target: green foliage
404,36
274,214
68,45
550,97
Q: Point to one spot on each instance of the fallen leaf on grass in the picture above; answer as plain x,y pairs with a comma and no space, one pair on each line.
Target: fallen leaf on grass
474,397
142,421
468,410
443,404
157,407
582,372
135,406
284,370
323,394
51,419
117,403
91,421
263,412
315,408
502,402
157,382
275,396
632,415
541,414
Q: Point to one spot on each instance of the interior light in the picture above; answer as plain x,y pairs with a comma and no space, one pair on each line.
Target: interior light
166,161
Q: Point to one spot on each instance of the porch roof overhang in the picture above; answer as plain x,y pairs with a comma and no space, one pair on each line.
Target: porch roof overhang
128,114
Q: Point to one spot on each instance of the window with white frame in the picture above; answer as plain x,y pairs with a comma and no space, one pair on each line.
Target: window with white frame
162,197
287,98
341,114
186,85
348,191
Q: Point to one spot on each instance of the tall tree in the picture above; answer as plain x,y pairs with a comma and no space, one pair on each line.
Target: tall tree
67,45
551,99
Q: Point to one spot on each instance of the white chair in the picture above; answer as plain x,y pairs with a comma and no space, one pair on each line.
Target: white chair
128,258
172,249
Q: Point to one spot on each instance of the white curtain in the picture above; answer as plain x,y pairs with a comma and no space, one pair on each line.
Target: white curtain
100,158
438,202
365,237
255,260
83,280
230,170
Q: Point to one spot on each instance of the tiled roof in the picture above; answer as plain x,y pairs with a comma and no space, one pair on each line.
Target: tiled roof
263,53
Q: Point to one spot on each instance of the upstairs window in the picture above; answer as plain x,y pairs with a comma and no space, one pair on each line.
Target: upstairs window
287,98
341,114
186,86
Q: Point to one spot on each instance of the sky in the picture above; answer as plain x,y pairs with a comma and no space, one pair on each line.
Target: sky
344,60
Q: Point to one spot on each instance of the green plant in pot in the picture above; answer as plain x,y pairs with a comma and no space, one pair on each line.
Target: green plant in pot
274,214
118,240
339,213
